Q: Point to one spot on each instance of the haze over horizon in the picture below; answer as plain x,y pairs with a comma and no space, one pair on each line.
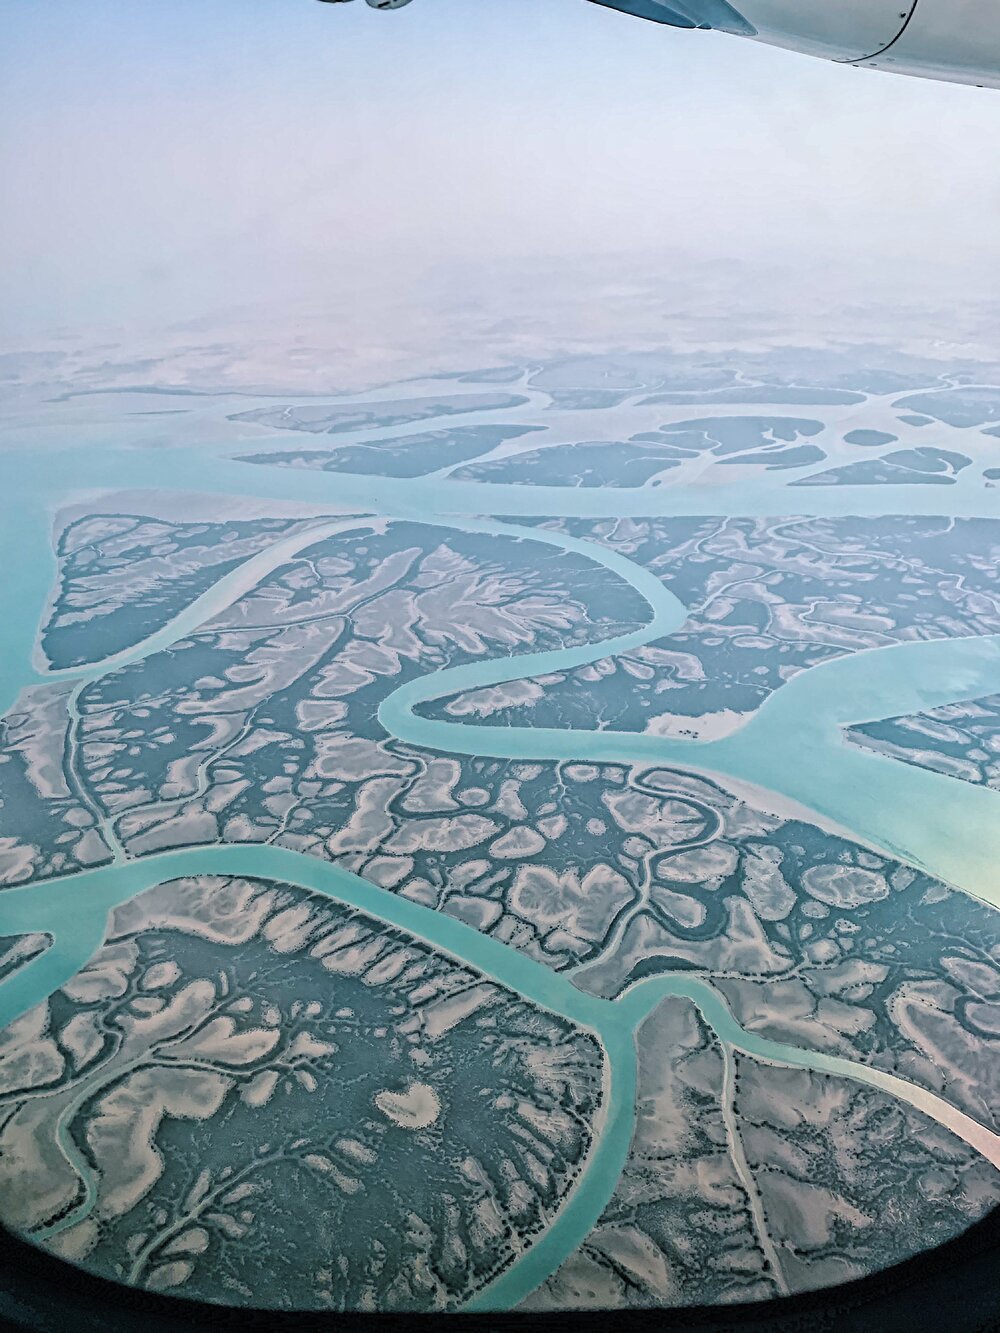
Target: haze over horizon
165,164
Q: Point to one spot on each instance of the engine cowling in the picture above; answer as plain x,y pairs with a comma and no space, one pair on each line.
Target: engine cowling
955,40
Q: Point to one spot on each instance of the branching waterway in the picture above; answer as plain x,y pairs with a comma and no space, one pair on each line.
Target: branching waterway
947,828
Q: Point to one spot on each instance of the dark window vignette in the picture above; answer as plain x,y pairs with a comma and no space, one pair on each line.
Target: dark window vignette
951,1289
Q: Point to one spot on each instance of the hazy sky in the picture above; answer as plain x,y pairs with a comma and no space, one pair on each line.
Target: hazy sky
163,157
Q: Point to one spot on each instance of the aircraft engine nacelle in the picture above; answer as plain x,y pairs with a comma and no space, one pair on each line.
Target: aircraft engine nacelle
955,40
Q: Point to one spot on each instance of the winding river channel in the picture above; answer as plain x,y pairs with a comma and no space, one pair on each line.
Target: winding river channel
792,749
